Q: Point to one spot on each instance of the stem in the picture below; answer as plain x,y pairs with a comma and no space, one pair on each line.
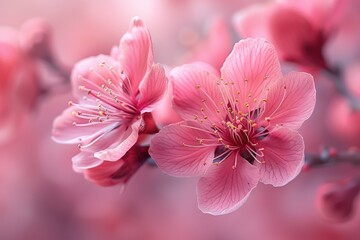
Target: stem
330,157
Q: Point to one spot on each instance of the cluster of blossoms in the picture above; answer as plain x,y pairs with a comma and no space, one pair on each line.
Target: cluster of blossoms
238,127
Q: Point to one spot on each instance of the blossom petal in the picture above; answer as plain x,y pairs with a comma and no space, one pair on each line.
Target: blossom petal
135,52
70,128
152,88
125,141
85,160
320,13
111,173
224,189
247,22
215,47
250,66
92,73
283,156
196,93
101,174
291,100
177,152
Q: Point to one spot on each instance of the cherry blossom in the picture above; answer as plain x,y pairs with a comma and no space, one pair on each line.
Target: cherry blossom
239,128
298,31
115,95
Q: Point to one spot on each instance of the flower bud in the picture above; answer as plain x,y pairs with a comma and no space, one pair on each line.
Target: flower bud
335,199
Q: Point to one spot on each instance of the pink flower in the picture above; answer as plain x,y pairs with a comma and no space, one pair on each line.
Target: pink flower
19,85
115,95
299,31
239,128
335,200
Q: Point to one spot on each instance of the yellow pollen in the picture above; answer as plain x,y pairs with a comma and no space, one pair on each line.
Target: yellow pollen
200,141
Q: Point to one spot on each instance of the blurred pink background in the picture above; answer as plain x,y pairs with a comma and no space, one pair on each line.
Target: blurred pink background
41,197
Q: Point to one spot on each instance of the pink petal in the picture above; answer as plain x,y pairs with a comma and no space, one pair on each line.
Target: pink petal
65,130
293,105
124,142
294,37
196,93
152,88
111,173
216,47
101,174
319,13
135,52
224,189
283,156
92,73
168,150
250,66
253,21
85,160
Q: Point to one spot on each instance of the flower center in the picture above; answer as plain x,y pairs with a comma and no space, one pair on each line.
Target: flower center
109,100
241,134
234,120
109,96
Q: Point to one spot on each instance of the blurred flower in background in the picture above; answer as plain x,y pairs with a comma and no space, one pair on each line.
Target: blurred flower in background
41,197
